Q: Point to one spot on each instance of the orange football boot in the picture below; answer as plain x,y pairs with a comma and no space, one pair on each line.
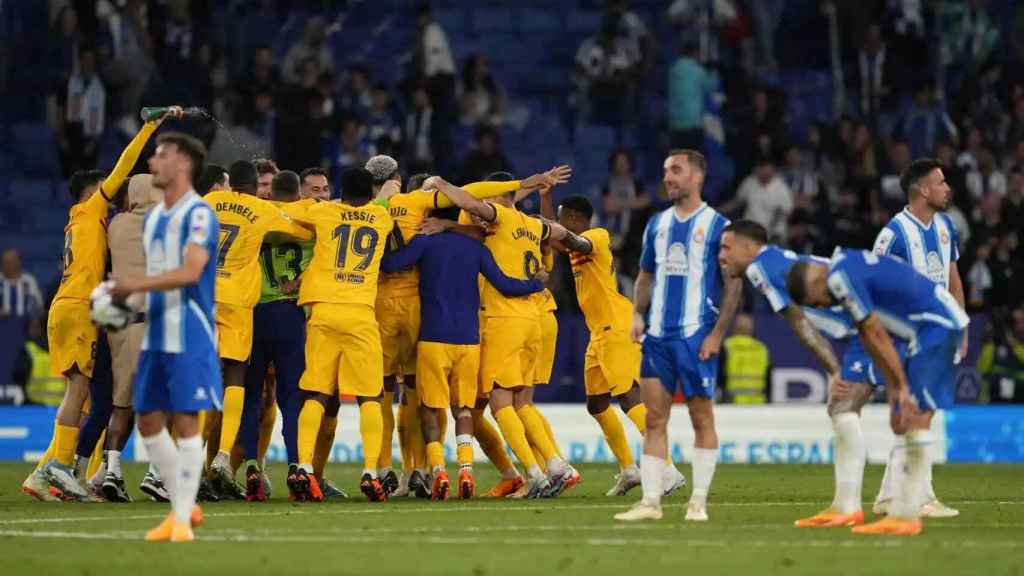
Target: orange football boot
505,487
890,526
831,518
467,486
441,487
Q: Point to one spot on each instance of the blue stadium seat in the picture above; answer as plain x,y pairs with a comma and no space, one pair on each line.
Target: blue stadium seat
595,137
540,21
29,192
36,149
586,22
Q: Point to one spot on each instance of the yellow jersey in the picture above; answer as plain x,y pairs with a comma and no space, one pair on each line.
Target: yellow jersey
408,211
514,239
596,288
244,222
85,236
546,300
350,242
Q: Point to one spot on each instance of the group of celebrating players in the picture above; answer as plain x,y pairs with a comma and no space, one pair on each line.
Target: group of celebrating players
263,291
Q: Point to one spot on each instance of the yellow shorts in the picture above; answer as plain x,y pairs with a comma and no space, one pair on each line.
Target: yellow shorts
446,374
399,319
72,337
548,340
124,356
343,353
234,332
611,364
508,352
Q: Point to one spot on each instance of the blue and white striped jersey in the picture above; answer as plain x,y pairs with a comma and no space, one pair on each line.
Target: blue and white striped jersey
929,249
682,255
183,319
768,274
906,301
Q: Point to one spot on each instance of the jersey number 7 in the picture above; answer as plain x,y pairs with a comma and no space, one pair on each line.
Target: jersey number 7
228,233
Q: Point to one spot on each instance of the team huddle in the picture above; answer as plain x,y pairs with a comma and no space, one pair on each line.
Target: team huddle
264,296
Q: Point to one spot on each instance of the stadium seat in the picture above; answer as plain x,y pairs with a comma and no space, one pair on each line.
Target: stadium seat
29,192
36,149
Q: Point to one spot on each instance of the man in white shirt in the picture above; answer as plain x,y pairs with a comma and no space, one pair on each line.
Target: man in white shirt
766,199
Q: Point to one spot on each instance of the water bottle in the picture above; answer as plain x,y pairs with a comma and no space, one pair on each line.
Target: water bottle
150,114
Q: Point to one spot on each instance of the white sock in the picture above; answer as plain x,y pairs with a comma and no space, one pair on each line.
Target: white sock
849,461
152,469
556,465
114,462
190,471
704,461
534,472
163,459
101,473
307,468
910,494
893,475
929,490
372,473
650,478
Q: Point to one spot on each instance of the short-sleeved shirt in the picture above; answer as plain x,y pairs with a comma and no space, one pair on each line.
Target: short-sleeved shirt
245,221
350,242
682,255
514,239
604,308
929,249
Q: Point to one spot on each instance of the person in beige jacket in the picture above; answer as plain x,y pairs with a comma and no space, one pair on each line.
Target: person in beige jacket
127,259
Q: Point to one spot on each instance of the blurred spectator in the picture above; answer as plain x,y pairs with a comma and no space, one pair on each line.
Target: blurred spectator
622,196
1001,362
851,224
19,292
987,177
604,75
968,33
925,123
765,199
433,61
380,118
485,158
299,120
1015,131
313,45
945,153
759,131
688,85
84,115
64,45
181,51
126,57
349,149
261,78
357,97
802,182
1007,266
1013,204
979,279
973,143
892,198
423,134
873,73
483,100
633,33
746,363
696,22
767,15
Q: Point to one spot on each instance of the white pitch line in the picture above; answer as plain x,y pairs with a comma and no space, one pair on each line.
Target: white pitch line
384,509
205,536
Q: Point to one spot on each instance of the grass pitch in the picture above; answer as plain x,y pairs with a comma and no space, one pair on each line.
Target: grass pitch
752,509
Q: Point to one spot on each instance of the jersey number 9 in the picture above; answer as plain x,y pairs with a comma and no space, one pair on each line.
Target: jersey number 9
363,244
531,265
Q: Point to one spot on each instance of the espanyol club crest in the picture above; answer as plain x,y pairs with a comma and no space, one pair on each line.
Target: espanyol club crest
944,237
698,236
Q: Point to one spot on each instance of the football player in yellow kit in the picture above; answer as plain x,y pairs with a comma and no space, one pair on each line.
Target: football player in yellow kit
70,331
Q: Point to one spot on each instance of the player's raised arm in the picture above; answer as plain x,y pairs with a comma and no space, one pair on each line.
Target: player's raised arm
462,199
572,241
506,284
280,226
544,182
811,338
407,257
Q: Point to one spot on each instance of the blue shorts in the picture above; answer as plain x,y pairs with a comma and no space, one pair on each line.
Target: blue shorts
178,383
674,361
931,370
858,366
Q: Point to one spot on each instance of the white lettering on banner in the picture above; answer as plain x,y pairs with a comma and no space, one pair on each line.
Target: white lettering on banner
817,385
778,434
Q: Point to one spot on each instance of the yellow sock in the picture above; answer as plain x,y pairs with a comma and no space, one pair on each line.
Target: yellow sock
534,425
404,443
638,414
435,455
551,434
388,412
541,460
267,421
615,434
490,442
67,439
97,456
515,434
309,425
324,444
234,399
415,431
464,454
371,429
202,424
49,449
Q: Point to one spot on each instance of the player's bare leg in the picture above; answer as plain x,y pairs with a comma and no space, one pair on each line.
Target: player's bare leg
180,466
845,403
659,406
121,421
632,405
